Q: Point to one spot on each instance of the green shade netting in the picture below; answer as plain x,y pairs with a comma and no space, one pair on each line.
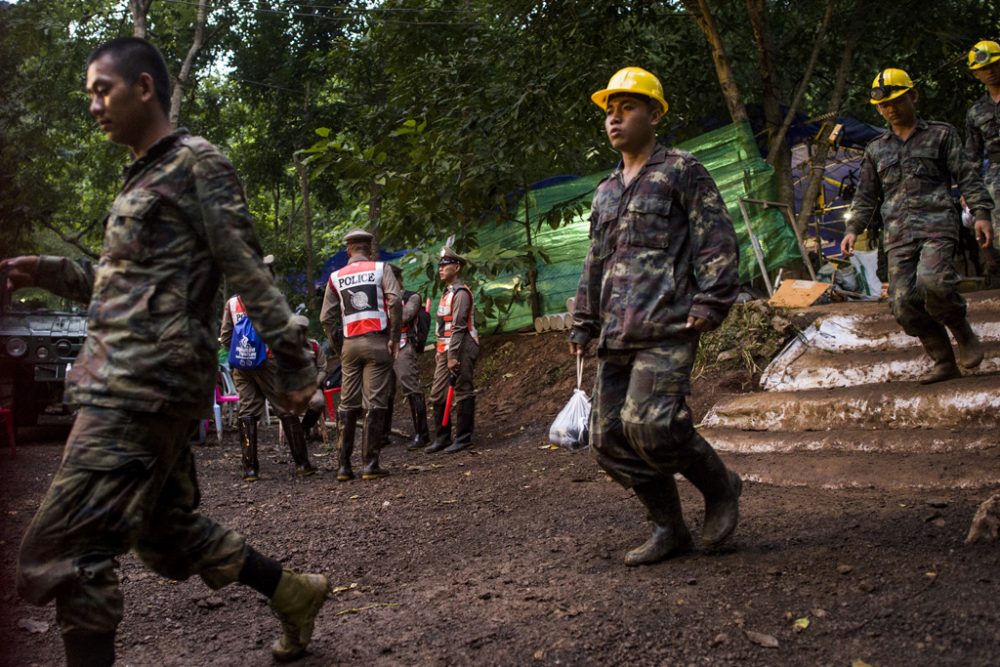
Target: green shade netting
731,157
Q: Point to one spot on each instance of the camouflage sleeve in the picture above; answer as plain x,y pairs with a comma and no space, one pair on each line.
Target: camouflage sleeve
974,145
226,330
231,237
970,183
587,303
392,291
65,278
866,197
410,308
461,311
330,319
715,259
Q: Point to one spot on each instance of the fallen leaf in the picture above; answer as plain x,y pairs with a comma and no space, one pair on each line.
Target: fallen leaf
33,626
800,624
358,610
859,663
845,569
341,589
354,497
761,639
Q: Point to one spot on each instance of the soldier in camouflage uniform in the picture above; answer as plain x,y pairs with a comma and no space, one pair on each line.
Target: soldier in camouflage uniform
982,135
255,388
146,373
662,268
362,303
907,173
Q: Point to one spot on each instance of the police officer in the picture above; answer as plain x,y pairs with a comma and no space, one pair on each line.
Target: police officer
362,302
910,169
982,131
662,269
405,367
255,388
455,361
146,373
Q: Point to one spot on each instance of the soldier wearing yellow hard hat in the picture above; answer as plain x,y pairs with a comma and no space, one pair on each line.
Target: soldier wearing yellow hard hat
982,134
907,174
662,268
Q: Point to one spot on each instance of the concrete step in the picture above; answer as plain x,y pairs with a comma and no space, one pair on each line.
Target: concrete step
898,441
840,470
969,402
813,367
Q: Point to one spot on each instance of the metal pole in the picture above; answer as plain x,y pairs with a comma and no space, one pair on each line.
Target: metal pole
786,209
755,244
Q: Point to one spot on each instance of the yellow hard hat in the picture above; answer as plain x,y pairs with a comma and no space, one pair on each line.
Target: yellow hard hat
631,80
984,53
888,85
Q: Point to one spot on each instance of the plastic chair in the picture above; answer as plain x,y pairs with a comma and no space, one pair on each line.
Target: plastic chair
8,417
331,410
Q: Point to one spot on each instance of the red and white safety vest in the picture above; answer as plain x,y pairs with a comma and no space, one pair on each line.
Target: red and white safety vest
362,302
237,311
446,317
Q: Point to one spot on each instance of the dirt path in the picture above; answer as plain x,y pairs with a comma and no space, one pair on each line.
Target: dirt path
511,554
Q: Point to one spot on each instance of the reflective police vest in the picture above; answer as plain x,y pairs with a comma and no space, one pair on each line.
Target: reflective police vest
362,302
446,317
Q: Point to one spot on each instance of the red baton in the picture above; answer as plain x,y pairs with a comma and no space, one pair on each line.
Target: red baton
447,405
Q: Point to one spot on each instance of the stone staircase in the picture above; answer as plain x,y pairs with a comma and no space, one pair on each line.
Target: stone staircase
841,408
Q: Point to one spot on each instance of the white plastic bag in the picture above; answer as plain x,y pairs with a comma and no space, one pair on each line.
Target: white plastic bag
571,426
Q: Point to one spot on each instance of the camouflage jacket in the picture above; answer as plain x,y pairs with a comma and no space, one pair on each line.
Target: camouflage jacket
662,248
179,223
982,133
911,181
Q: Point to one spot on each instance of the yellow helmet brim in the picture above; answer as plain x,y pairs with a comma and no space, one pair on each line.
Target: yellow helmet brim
891,97
600,98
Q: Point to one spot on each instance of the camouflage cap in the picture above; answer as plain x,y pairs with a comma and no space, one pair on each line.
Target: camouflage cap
449,256
358,236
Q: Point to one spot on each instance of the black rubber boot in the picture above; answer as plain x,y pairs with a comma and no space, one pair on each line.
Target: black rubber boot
371,444
387,424
970,350
938,348
297,445
442,434
670,537
418,412
248,448
345,445
465,417
89,649
721,488
309,421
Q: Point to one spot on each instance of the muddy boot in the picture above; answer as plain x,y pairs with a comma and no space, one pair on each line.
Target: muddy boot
721,488
248,447
670,536
370,444
345,447
297,445
386,426
938,348
89,649
295,603
970,351
465,417
418,411
309,421
442,437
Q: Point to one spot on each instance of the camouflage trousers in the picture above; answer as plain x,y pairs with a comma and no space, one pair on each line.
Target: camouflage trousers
923,285
641,428
256,388
366,372
464,383
405,368
992,181
127,481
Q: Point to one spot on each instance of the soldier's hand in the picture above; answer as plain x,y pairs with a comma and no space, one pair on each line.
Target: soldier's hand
699,324
297,401
577,349
984,233
847,245
20,271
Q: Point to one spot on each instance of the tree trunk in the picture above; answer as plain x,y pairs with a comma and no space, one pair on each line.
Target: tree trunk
374,216
185,73
818,166
779,136
534,298
307,219
702,14
139,10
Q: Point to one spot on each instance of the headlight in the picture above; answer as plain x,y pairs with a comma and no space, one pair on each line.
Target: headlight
16,347
42,352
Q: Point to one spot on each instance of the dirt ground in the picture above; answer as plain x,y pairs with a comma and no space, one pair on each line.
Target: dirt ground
510,554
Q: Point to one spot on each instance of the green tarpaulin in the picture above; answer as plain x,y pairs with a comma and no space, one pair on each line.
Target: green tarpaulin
729,154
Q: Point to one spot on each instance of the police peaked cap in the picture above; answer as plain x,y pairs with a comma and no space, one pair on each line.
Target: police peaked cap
358,236
449,256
